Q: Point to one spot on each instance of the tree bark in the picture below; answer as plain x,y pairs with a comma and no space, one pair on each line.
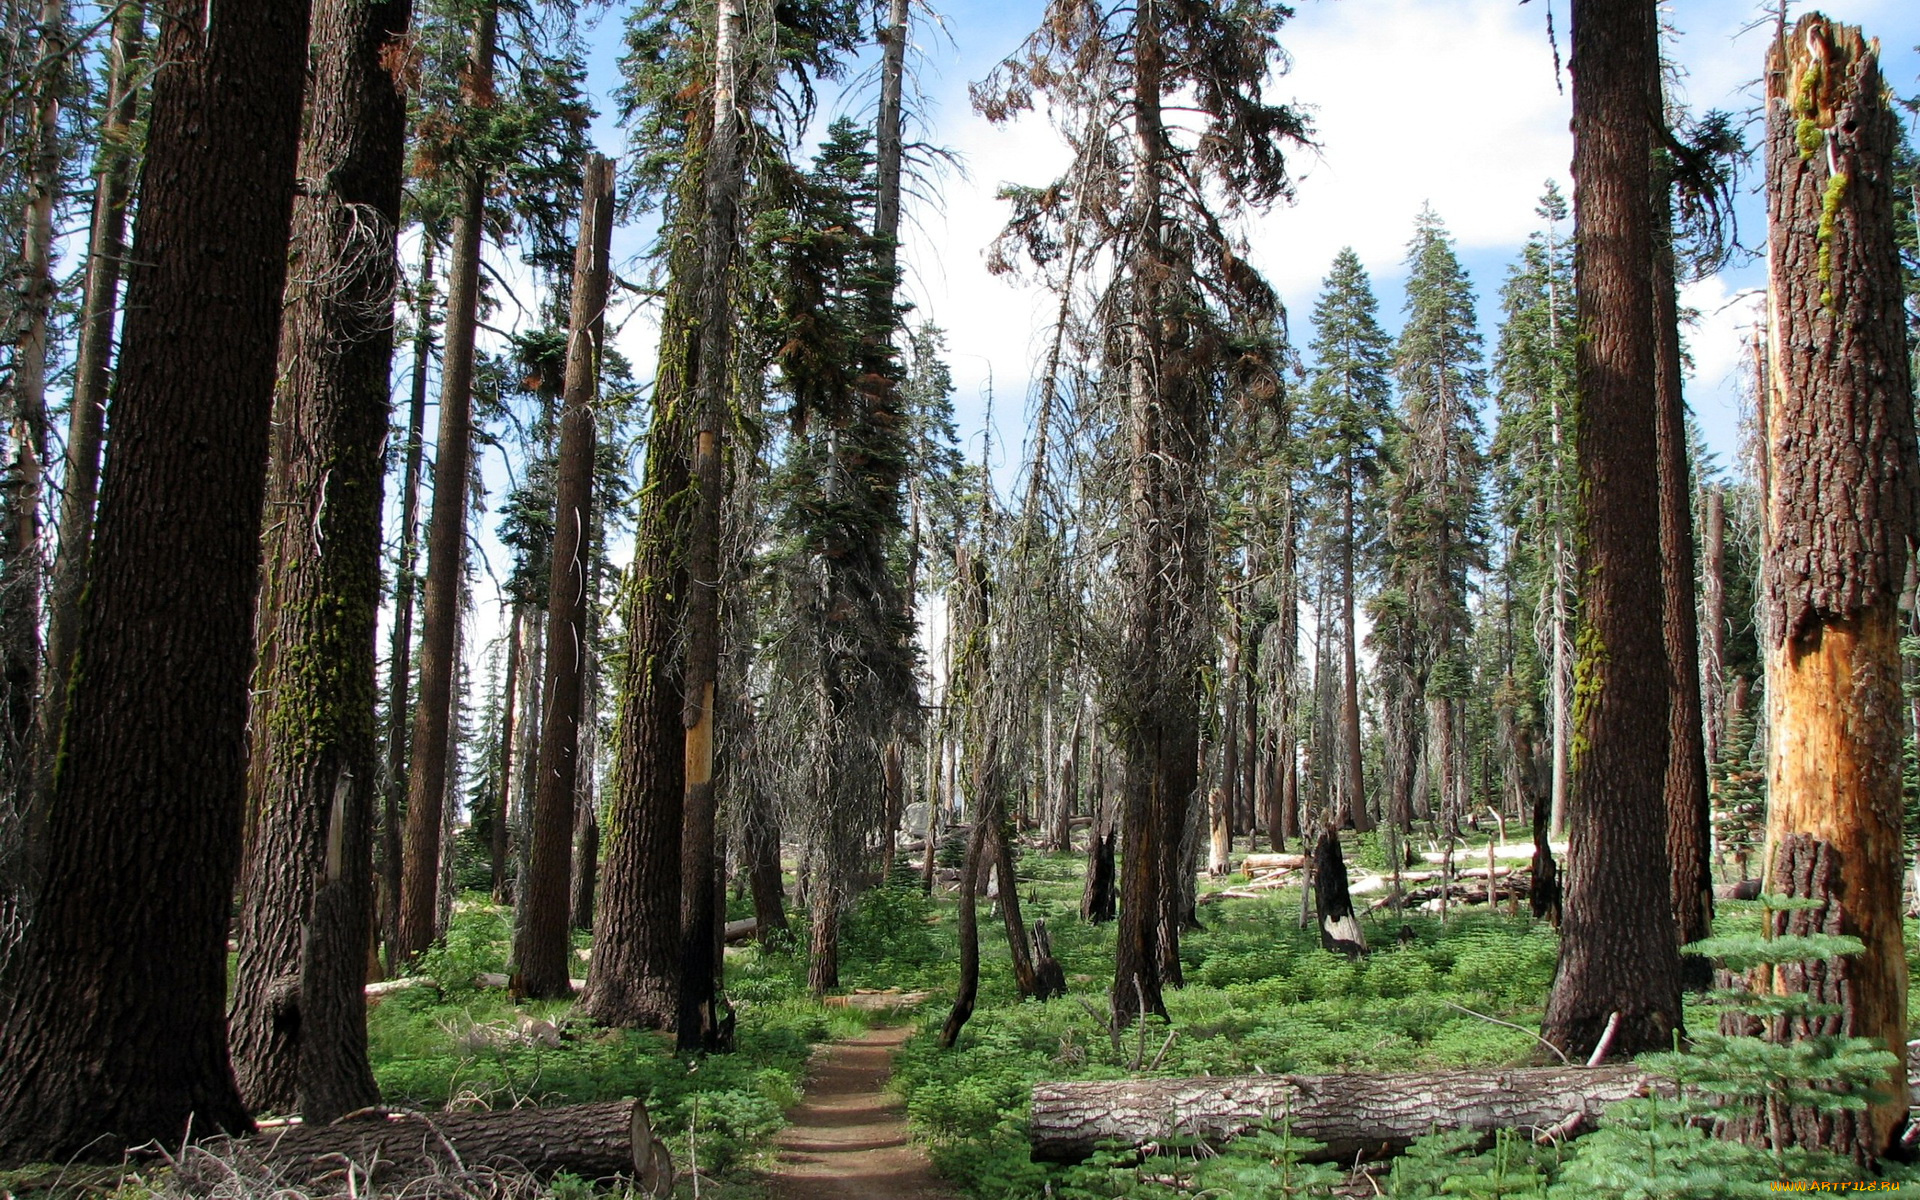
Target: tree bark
446,530
1340,930
544,951
1842,508
504,799
967,991
113,1028
297,1020
1355,1115
405,586
586,867
22,569
1713,636
593,1141
699,1018
1618,949
92,375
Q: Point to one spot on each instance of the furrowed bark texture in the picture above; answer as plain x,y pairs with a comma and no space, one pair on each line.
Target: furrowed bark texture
634,978
544,953
92,375
1689,820
446,535
1618,950
297,1020
1840,513
1368,1116
114,1024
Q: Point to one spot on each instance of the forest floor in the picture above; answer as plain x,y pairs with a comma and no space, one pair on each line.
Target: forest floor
848,1139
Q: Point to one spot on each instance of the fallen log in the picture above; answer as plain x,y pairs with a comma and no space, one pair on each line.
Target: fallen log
1370,1116
741,930
1269,862
593,1141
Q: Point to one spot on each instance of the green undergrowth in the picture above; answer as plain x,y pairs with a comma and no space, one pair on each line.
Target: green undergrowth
1262,997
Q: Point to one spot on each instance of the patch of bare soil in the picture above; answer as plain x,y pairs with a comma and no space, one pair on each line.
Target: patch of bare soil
848,1137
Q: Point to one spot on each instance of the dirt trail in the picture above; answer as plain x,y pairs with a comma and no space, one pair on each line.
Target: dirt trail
848,1137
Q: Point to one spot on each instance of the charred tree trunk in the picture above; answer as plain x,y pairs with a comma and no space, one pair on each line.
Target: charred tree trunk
1339,929
148,801
543,952
1618,950
1842,508
446,533
405,586
297,1021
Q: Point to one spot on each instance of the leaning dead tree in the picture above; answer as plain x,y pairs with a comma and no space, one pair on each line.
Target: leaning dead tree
1844,493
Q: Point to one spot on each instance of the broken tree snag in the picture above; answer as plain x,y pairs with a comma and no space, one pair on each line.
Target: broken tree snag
593,1141
1049,979
1354,1115
1339,928
1544,892
1841,508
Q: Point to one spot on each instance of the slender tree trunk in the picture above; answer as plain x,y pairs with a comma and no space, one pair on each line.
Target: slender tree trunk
1024,977
699,1024
148,802
1689,820
1713,635
446,532
586,867
968,990
1350,671
1618,950
505,800
22,571
400,659
92,374
543,953
1845,493
761,832
297,1020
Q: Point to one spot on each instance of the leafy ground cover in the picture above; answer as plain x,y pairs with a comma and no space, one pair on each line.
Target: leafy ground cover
1260,996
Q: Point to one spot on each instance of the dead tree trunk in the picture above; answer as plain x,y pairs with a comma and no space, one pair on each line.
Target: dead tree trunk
1844,496
1339,929
593,1141
544,952
1355,1115
446,533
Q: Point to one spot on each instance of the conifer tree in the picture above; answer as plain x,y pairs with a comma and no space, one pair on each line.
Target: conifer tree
131,914
1618,953
1436,529
1533,447
1346,415
1109,73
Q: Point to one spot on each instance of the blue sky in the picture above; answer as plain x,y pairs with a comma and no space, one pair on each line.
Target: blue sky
1448,102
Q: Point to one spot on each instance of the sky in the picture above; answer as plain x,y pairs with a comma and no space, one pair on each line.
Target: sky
1452,103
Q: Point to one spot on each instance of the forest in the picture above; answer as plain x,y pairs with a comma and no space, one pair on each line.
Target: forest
526,673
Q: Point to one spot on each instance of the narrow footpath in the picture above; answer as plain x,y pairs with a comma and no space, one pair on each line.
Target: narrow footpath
848,1137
